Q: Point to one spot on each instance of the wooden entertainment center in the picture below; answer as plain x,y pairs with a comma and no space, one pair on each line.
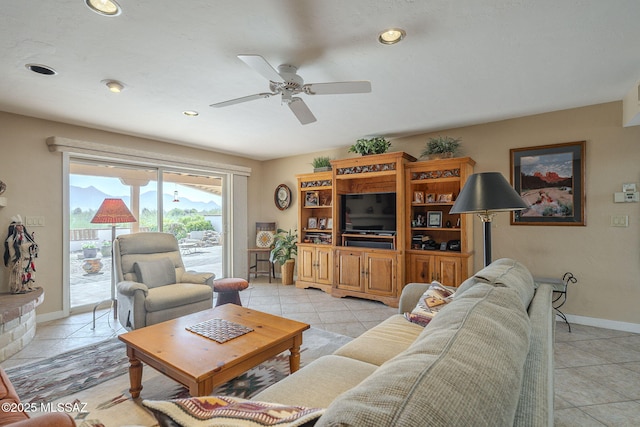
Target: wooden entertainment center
355,241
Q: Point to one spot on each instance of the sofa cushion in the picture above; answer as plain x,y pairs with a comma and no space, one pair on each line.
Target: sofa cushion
318,383
435,298
156,273
507,273
465,368
229,411
170,296
389,338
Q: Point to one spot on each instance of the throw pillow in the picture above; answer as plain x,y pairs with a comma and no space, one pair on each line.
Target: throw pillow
155,273
264,239
429,304
229,411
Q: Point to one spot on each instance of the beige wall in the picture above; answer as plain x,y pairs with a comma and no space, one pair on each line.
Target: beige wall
34,187
606,260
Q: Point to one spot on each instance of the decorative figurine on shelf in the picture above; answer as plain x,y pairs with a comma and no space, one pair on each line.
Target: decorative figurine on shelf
20,250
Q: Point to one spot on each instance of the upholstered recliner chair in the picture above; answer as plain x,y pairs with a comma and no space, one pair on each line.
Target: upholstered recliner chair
152,283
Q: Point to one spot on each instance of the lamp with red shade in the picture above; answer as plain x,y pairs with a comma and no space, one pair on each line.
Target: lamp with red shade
112,211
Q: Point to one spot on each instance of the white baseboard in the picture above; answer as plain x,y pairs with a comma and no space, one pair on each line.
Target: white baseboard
54,315
603,323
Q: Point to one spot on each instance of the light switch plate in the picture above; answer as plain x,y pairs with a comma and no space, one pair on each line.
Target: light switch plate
34,221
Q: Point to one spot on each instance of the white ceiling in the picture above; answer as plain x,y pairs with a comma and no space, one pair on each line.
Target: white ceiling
462,62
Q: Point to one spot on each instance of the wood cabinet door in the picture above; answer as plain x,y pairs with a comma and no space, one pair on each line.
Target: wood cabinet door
349,269
324,266
306,263
421,269
449,270
380,274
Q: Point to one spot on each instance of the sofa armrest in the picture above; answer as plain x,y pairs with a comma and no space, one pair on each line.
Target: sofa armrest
411,293
129,288
198,278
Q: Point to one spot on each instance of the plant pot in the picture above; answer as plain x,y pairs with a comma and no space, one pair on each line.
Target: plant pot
92,266
437,156
322,169
287,272
90,252
105,251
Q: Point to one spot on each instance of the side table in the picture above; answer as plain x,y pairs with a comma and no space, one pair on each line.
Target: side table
560,291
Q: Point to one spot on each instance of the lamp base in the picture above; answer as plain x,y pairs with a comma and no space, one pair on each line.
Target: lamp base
114,306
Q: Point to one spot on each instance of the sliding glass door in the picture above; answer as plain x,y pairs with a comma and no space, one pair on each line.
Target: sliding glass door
186,204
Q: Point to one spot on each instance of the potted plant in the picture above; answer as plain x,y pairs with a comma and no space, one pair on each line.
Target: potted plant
441,147
89,250
105,249
377,145
321,164
284,248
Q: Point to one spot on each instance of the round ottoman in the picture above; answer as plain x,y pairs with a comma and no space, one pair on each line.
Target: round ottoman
227,290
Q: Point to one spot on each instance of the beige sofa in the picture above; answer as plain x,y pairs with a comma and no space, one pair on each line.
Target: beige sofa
486,359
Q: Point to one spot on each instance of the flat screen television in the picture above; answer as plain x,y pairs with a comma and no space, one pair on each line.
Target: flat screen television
368,213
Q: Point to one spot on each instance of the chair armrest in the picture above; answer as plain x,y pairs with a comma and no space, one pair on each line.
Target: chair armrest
54,419
198,278
411,293
129,288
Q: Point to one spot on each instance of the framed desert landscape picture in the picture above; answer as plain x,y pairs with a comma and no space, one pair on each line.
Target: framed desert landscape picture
550,179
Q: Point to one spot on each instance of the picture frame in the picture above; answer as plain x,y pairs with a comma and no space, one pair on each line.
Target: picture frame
322,223
430,198
329,223
418,197
434,219
445,198
312,223
550,179
325,199
311,198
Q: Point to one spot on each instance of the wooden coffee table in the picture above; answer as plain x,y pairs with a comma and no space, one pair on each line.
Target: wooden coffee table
201,363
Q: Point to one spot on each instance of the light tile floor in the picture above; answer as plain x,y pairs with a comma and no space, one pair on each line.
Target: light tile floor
597,371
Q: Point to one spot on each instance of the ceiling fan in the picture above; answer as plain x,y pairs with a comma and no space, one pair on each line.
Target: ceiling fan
287,83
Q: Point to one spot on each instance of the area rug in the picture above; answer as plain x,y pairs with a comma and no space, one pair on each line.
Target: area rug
92,382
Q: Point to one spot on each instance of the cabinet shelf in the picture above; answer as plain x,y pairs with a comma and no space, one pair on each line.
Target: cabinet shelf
428,179
432,204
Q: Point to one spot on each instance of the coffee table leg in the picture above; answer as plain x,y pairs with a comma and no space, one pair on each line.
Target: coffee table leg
294,357
135,373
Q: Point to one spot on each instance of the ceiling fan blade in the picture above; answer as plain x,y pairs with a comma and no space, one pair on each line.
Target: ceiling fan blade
302,112
337,88
243,99
261,65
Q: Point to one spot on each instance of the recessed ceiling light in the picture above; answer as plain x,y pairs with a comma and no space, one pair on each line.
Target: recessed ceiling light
114,85
391,35
191,113
104,7
41,69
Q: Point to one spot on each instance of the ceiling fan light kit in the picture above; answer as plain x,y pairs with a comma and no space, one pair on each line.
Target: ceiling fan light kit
287,83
